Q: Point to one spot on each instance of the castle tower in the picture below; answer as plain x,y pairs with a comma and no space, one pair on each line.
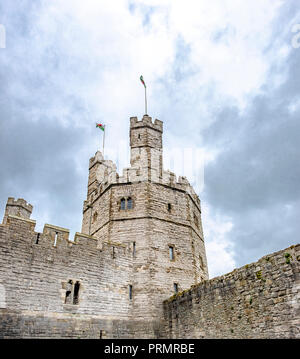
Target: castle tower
157,217
19,208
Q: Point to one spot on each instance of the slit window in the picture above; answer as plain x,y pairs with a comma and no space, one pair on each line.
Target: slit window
171,253
55,239
76,293
201,261
169,207
176,287
95,215
133,249
68,297
130,291
37,238
196,220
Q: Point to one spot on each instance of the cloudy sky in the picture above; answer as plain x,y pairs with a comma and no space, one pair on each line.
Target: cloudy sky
222,75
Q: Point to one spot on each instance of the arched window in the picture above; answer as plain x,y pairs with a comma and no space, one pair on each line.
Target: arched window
129,203
123,203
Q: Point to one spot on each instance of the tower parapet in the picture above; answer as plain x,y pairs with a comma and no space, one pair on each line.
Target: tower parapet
17,207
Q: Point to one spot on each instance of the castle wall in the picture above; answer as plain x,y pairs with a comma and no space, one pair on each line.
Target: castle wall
259,300
35,272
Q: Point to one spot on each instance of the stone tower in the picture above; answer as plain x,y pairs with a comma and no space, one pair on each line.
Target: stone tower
156,216
17,207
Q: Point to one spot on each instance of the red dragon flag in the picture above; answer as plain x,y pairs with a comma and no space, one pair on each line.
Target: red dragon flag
99,125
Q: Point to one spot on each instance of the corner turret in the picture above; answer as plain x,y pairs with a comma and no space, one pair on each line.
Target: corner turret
19,208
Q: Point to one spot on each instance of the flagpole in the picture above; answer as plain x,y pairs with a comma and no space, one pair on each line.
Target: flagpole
103,140
145,101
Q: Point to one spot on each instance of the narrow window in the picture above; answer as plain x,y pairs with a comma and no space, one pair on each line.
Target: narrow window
100,334
123,203
130,291
55,239
175,287
139,136
133,249
196,220
201,261
69,288
95,215
169,207
68,294
129,203
76,293
113,253
37,238
171,253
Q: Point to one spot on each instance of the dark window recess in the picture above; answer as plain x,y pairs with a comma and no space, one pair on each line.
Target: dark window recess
129,203
175,287
123,203
139,136
196,220
95,215
68,296
113,253
37,238
130,291
169,207
76,293
133,249
201,261
101,333
171,253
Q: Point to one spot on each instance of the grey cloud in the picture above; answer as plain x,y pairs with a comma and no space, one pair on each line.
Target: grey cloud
255,179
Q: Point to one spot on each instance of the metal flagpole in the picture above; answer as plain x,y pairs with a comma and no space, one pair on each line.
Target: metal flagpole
103,140
145,101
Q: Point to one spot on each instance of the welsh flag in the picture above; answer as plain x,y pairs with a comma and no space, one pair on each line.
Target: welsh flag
142,80
99,125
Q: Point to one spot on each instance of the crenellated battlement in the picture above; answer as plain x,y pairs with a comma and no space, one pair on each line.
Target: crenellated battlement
58,237
17,207
146,121
11,201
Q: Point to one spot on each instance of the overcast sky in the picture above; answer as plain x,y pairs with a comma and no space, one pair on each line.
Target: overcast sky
223,76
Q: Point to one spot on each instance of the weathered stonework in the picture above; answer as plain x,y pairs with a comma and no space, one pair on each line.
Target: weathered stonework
259,300
141,238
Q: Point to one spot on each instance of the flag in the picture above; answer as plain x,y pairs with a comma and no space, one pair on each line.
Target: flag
142,80
99,125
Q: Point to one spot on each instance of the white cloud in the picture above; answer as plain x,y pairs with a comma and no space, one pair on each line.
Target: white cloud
219,247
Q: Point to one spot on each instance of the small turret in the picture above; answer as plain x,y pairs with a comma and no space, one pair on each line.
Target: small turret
19,208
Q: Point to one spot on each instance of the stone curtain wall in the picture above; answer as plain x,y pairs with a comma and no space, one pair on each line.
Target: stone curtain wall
259,300
34,276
